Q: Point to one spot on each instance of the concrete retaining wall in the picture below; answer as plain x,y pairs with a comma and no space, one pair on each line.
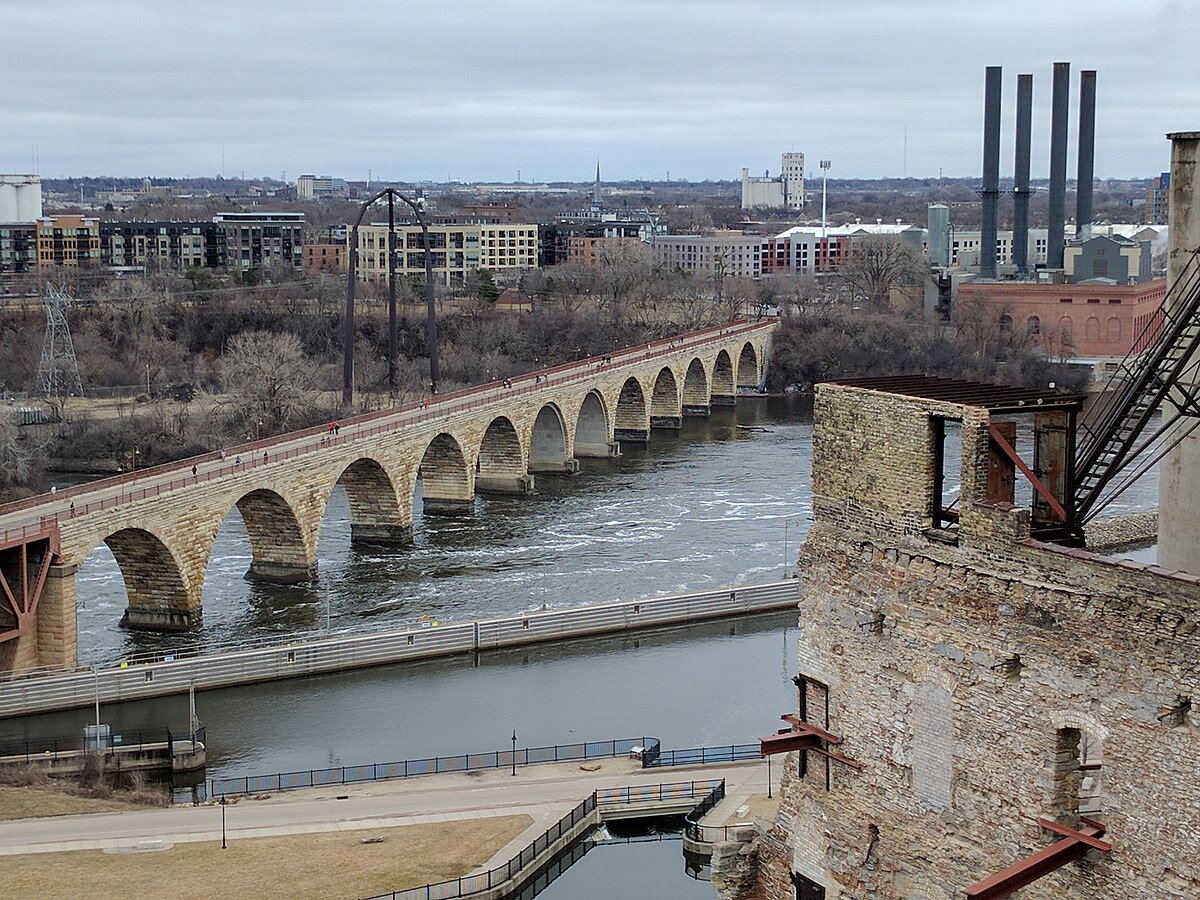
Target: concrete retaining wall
27,695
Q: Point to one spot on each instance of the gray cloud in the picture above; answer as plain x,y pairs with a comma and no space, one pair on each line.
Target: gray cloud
477,90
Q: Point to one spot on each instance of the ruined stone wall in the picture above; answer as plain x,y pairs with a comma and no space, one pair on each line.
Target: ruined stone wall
960,671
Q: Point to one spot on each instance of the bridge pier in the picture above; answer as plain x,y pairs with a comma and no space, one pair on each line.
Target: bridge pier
449,506
612,450
672,422
568,466
139,618
504,484
633,435
724,400
379,534
696,411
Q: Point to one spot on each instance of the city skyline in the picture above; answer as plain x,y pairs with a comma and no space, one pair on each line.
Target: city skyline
696,89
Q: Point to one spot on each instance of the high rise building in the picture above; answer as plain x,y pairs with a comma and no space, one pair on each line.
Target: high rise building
785,191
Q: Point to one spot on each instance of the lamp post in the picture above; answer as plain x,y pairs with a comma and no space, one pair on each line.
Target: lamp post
514,752
223,845
825,164
96,677
418,208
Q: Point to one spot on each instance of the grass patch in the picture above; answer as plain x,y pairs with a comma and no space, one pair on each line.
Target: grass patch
327,864
27,791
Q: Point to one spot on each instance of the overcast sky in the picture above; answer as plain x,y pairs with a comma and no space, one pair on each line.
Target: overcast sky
473,90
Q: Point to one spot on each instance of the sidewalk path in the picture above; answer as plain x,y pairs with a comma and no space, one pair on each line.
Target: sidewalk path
543,792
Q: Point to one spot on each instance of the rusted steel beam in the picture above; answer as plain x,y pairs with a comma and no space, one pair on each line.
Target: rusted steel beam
838,758
1012,454
787,742
808,727
1094,843
1031,868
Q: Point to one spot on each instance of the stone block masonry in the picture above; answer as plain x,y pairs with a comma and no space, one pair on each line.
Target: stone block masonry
161,525
984,679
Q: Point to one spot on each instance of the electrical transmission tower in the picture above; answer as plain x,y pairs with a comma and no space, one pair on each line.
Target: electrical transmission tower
58,372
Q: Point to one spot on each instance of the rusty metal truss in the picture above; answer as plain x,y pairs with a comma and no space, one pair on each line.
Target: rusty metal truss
23,569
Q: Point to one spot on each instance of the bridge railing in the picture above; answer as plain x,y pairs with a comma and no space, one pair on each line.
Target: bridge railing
702,755
247,456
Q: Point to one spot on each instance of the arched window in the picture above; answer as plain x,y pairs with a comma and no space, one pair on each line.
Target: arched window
1114,329
1091,328
1064,328
1033,325
1006,324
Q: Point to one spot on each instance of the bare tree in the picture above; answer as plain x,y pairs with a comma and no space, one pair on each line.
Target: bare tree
268,378
16,453
625,267
877,265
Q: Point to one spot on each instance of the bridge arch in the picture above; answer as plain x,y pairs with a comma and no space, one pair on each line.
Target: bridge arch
445,478
633,413
159,595
548,447
500,464
748,375
592,432
665,409
277,543
377,515
695,390
724,390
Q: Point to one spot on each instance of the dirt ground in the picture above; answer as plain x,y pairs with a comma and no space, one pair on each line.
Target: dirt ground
327,864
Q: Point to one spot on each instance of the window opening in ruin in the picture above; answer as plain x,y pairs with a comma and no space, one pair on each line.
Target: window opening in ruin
1078,758
946,437
806,888
1176,714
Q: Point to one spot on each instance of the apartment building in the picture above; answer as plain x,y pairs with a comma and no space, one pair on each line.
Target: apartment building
159,246
258,240
724,253
504,249
69,241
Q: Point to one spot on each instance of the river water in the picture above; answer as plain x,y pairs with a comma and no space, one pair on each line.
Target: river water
710,506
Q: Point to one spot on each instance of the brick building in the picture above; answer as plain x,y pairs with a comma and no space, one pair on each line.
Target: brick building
175,246
70,241
1093,320
985,694
320,258
504,249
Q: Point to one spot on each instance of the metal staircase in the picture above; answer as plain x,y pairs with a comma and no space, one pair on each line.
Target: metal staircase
1153,377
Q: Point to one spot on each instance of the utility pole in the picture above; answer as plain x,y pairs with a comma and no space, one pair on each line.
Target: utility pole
825,164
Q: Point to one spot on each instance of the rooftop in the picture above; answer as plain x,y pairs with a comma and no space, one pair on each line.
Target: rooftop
992,397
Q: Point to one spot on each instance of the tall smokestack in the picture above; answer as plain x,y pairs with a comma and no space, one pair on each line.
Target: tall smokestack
1087,153
1056,215
991,172
1020,241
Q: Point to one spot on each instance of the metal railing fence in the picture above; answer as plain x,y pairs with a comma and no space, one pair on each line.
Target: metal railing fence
584,813
434,765
701,755
31,749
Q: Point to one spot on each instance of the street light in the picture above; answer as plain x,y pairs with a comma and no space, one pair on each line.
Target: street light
418,208
223,846
825,164
514,753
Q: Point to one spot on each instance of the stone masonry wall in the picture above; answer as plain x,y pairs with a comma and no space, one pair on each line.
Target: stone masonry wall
963,673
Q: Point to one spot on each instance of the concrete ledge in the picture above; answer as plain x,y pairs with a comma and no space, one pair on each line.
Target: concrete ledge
522,484
382,535
633,435
280,573
597,451
444,506
562,467
137,618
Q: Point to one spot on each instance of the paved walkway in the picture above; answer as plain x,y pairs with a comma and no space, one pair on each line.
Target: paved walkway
544,792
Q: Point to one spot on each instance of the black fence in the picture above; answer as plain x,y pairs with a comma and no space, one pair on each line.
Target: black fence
700,755
692,828
641,747
33,749
470,884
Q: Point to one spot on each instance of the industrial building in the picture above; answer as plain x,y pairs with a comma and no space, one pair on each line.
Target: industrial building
784,191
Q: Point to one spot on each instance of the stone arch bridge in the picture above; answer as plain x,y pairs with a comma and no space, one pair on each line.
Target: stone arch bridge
160,524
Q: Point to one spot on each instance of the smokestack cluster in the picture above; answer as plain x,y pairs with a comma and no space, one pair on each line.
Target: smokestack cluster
991,172
1056,213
